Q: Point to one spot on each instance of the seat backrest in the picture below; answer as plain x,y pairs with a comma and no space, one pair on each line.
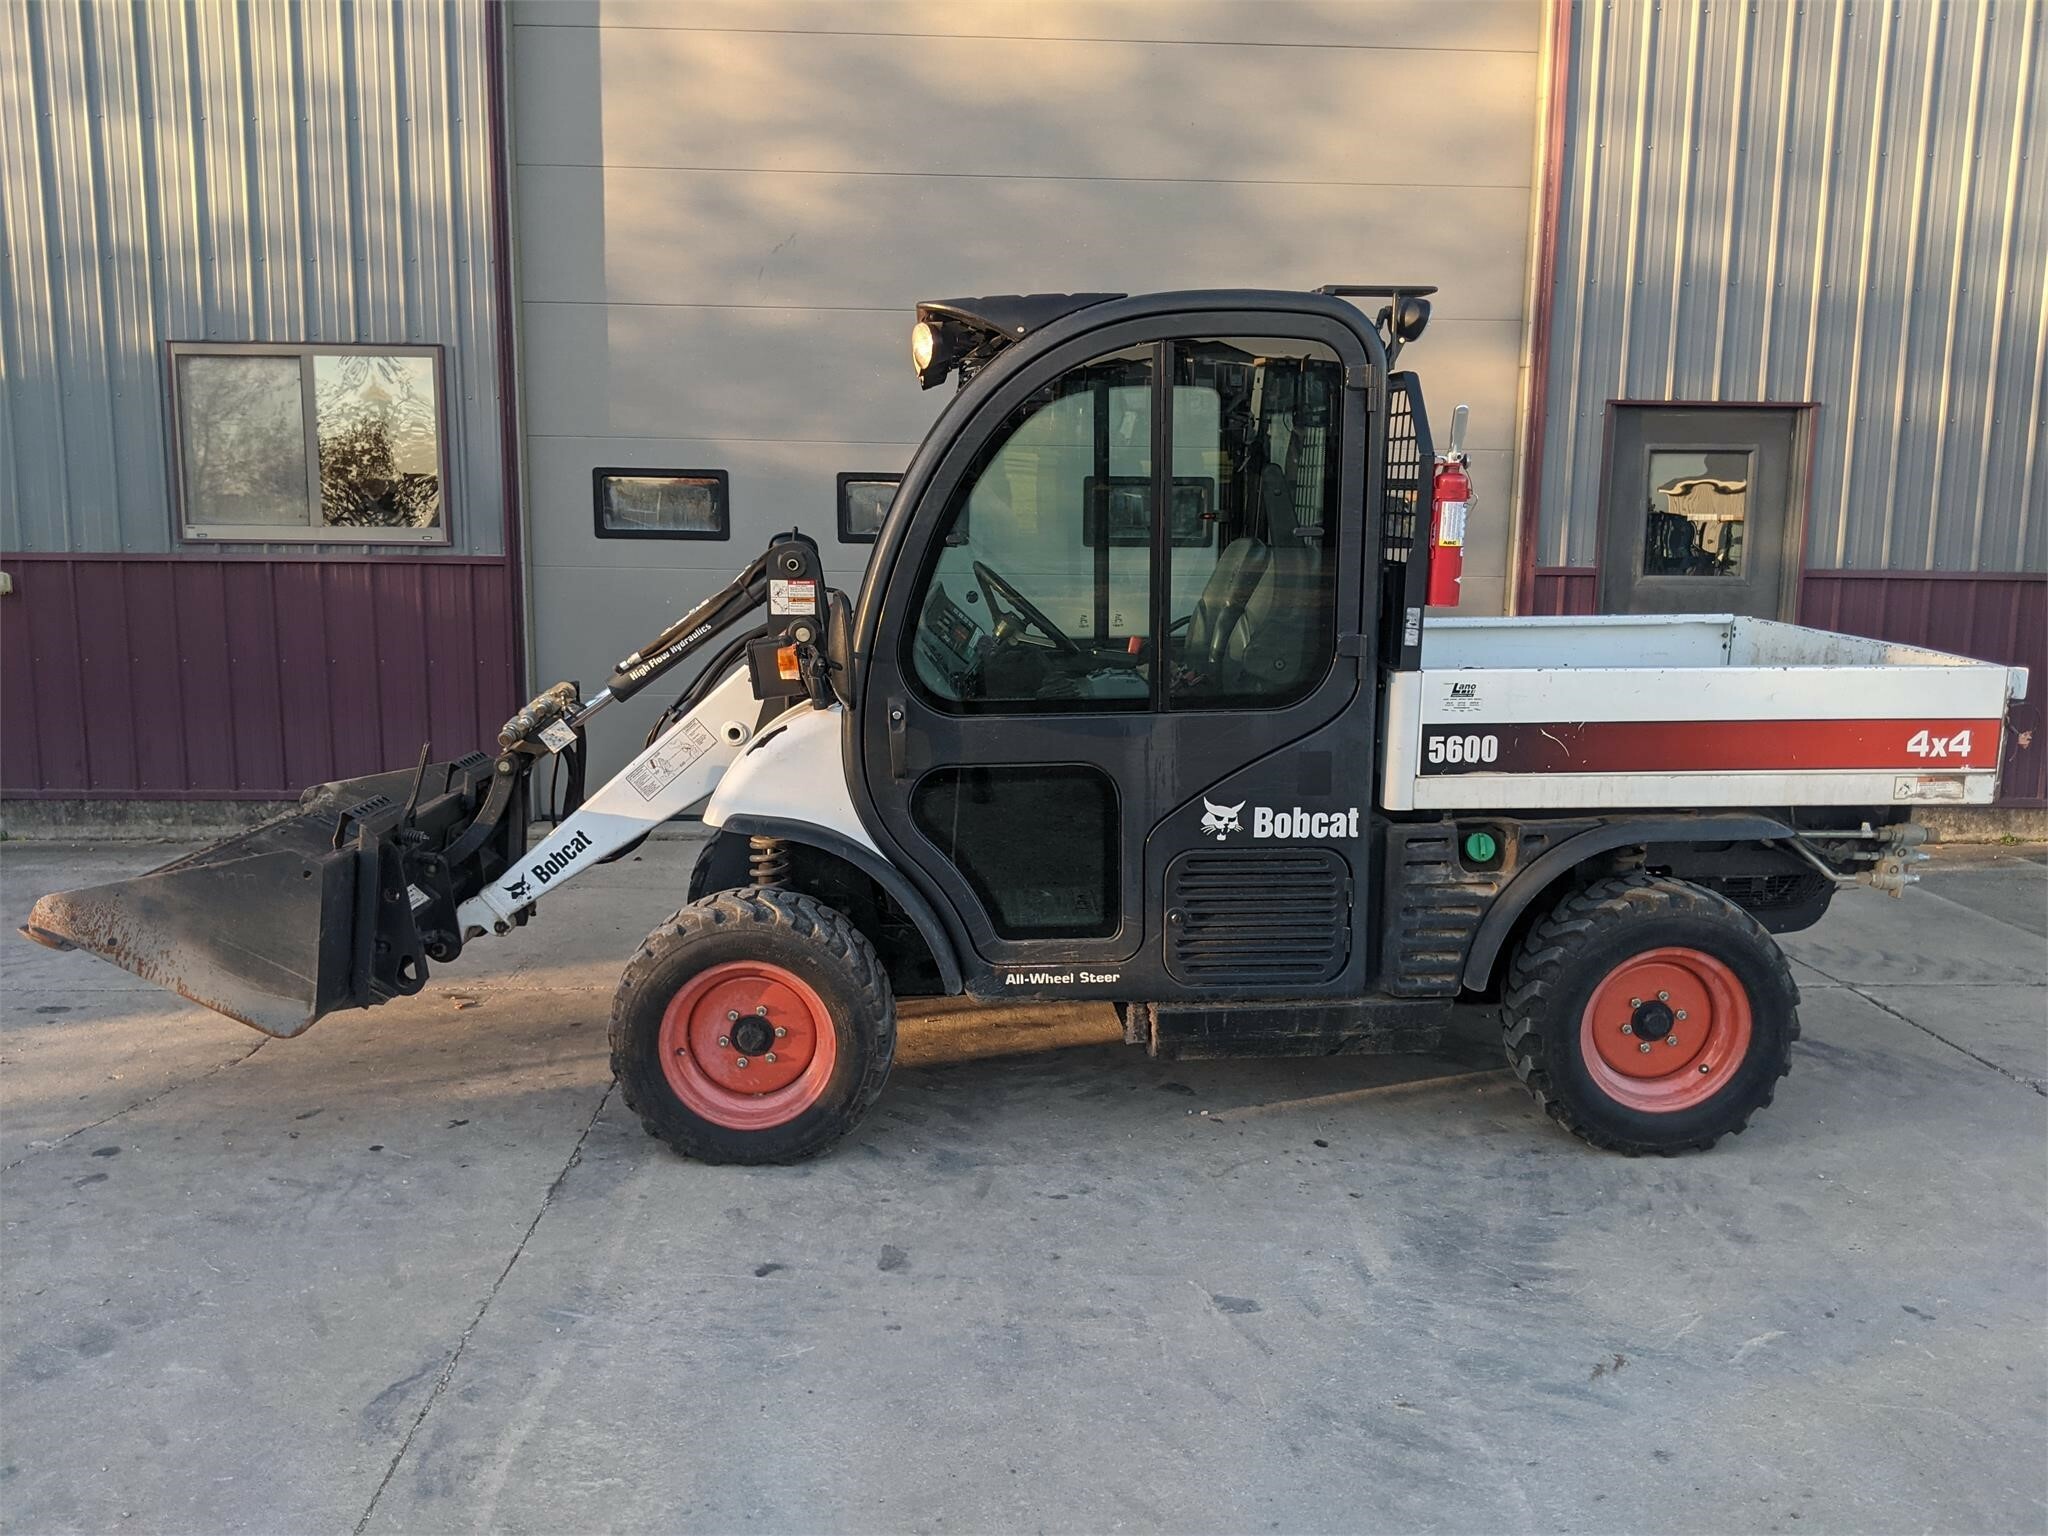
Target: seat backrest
1219,611
1278,639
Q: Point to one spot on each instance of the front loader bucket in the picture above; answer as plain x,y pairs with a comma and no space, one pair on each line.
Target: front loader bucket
336,904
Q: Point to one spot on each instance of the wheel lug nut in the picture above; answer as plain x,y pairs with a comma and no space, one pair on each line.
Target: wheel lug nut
724,1041
1680,1014
780,1031
769,1058
1628,1029
1663,997
742,1061
1644,1047
1635,1002
1671,1039
761,1011
732,1016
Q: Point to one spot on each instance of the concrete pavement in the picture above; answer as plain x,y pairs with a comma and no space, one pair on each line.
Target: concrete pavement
420,1271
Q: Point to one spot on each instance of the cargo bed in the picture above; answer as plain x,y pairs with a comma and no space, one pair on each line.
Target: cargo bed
1685,711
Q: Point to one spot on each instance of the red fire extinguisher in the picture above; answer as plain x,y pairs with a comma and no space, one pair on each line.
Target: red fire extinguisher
1450,499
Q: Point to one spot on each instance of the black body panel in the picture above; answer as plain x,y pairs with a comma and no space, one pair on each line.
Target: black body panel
1013,315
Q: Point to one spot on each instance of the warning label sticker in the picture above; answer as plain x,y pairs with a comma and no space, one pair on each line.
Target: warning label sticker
665,764
792,597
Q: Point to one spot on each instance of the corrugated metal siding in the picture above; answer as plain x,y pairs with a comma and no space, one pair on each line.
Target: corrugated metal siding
2000,618
183,677
1834,202
195,170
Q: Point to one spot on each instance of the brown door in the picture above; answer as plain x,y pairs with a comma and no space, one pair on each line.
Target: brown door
1700,511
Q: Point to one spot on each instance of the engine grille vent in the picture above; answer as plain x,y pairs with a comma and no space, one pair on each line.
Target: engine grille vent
1277,917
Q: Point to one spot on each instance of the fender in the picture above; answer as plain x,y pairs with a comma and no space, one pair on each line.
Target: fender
1527,887
870,863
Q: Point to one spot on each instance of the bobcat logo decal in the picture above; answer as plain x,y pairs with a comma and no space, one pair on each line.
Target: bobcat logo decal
1219,821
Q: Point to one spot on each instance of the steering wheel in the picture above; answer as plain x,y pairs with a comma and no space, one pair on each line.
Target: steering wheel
994,585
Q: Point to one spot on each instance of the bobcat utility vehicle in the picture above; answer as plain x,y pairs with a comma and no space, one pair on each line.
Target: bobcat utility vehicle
1139,701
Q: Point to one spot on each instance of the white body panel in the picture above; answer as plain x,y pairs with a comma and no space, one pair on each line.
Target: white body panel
793,773
1687,711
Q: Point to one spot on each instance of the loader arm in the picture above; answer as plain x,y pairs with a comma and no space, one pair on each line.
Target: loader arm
679,768
344,901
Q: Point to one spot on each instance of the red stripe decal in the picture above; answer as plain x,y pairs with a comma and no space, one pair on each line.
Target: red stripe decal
1710,746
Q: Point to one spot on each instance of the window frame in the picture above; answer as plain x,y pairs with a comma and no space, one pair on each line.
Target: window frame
720,477
185,531
852,477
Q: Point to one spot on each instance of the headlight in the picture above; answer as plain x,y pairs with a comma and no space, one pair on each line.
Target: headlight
923,344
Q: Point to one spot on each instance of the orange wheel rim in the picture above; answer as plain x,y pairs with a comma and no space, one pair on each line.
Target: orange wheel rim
747,1046
1665,1029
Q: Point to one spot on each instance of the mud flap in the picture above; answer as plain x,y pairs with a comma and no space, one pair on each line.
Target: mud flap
337,904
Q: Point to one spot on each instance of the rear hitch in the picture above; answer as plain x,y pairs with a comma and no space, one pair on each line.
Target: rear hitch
1887,865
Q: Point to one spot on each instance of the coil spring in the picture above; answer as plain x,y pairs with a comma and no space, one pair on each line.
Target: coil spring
767,860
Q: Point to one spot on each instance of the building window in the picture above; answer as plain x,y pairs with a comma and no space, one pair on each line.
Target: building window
863,503
323,444
662,503
1698,505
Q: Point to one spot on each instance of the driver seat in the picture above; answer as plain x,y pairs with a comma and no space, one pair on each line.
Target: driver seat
1213,625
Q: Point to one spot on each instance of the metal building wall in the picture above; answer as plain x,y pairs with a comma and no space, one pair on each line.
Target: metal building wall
1841,201
727,209
205,170
196,170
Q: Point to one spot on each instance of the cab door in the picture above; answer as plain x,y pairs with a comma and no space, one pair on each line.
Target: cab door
1128,599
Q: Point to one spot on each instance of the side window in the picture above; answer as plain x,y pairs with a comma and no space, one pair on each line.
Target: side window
1256,457
1040,596
1039,844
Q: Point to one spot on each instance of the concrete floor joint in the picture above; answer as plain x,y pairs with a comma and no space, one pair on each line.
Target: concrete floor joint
455,1356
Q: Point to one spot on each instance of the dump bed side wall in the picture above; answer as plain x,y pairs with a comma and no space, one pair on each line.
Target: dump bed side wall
1689,737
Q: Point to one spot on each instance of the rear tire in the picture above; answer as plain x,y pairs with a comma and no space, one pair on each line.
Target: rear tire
735,965
1614,973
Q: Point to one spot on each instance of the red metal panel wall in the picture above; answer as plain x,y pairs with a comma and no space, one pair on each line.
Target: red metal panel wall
1996,617
134,677
1565,589
1993,617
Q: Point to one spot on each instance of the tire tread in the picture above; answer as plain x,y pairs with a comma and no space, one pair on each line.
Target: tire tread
1537,974
805,919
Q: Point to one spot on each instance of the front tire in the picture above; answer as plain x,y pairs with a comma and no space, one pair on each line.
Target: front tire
1650,1015
754,1026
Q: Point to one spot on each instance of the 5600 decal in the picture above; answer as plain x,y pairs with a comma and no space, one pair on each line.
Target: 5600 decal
1462,747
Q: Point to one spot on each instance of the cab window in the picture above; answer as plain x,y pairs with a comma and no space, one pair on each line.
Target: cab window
1251,606
1022,607
1041,595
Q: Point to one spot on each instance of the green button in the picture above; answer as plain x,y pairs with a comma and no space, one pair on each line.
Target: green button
1480,847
